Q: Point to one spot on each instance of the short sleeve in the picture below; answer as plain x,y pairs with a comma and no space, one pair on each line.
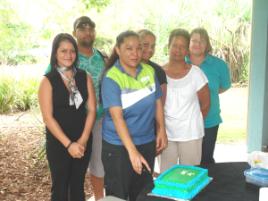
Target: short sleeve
225,78
110,93
158,90
200,78
161,75
48,69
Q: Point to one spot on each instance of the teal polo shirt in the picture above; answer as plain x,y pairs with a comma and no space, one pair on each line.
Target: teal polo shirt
218,75
137,98
94,65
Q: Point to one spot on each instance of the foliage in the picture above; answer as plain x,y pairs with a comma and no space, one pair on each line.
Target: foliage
103,44
7,92
99,5
227,22
17,94
15,37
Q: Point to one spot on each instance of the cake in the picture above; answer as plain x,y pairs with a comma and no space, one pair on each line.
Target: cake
182,182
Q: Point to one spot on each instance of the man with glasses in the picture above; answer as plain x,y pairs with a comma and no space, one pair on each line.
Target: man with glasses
92,61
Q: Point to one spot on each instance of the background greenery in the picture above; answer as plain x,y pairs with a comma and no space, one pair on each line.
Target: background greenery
27,28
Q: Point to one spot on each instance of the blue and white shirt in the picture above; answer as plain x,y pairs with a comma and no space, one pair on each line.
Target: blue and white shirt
137,97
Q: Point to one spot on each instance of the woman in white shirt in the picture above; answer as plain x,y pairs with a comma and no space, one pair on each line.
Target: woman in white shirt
187,103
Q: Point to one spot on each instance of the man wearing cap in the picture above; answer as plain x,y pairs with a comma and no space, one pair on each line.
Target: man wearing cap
92,61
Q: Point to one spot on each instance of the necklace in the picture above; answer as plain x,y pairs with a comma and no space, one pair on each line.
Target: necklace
64,69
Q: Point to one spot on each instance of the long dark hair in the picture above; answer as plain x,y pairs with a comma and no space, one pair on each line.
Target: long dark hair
119,40
55,45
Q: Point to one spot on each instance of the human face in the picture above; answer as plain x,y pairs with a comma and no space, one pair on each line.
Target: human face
65,54
178,48
148,47
198,45
130,52
85,36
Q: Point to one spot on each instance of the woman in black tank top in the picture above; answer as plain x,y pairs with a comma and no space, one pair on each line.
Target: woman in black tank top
68,105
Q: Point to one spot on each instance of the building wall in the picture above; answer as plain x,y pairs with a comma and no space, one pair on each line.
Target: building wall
258,89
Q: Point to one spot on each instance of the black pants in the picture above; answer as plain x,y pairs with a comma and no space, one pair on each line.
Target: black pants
67,173
120,179
208,145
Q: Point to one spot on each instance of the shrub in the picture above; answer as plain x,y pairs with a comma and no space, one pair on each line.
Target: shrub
17,95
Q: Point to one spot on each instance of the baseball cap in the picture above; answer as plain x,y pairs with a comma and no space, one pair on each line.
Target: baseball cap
82,21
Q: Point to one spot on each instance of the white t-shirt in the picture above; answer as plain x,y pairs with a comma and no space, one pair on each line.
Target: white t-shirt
183,116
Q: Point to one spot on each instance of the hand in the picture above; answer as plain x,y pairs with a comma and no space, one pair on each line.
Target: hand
137,161
82,142
161,142
76,150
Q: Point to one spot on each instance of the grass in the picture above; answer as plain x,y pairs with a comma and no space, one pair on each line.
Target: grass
234,115
18,87
229,135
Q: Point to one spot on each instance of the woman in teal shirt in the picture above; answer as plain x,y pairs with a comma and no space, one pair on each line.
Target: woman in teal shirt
219,81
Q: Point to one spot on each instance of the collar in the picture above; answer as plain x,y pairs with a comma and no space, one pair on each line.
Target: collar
118,65
207,59
82,55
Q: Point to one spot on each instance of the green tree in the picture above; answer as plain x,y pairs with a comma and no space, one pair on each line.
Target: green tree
99,5
15,37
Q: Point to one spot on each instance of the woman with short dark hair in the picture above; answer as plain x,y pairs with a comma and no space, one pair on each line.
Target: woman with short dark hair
187,103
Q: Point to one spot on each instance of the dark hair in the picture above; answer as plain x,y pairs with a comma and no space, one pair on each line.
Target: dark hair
55,45
204,34
83,20
145,32
179,32
119,40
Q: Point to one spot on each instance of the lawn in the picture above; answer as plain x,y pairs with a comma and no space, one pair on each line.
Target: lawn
234,114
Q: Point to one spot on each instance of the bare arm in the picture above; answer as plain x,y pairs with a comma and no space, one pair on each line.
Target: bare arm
161,137
221,90
91,113
164,91
45,102
204,100
136,158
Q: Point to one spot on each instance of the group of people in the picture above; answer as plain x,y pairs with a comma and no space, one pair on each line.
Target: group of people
115,115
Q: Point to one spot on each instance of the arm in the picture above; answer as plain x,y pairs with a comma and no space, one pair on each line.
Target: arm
161,136
91,113
45,102
204,100
164,92
225,78
221,90
136,158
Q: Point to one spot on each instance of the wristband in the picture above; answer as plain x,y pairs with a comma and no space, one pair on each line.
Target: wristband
68,146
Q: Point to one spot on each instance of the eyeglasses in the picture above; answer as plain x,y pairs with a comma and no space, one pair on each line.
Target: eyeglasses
85,28
199,42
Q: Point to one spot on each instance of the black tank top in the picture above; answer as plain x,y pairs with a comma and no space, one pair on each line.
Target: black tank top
70,119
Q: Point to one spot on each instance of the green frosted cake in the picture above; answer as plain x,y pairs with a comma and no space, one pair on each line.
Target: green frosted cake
181,181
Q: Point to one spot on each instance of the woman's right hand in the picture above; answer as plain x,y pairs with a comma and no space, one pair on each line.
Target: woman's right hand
138,161
76,150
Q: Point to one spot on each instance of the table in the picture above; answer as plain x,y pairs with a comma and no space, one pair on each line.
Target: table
228,184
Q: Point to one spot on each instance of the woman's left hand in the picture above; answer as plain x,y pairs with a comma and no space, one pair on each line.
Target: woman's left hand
161,142
82,141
